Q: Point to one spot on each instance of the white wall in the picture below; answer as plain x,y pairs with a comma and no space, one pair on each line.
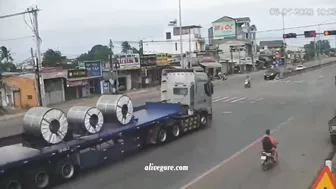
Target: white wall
172,46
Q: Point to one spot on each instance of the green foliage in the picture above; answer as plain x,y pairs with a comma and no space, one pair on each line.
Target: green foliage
314,49
125,46
98,52
6,60
52,58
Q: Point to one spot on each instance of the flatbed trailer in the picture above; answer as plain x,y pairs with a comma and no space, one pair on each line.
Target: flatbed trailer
26,167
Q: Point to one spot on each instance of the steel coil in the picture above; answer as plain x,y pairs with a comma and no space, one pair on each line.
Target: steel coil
49,123
85,119
116,107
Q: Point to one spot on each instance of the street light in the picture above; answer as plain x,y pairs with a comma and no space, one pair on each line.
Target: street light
181,44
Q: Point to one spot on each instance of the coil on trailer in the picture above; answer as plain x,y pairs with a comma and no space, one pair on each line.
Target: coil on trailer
116,107
49,123
85,119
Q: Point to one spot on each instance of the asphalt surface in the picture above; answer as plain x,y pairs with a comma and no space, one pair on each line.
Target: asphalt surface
297,108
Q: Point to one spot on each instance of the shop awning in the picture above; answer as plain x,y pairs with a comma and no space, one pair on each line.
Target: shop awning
212,65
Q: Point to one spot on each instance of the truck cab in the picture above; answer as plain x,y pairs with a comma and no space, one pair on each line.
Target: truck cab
188,87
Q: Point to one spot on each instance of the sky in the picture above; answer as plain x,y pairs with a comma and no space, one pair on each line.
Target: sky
74,26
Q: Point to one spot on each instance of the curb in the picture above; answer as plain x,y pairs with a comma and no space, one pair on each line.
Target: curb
298,72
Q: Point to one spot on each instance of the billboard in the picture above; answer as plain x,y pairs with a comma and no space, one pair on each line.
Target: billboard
127,61
77,73
94,68
225,29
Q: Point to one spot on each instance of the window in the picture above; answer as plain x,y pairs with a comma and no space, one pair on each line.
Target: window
175,46
180,91
168,35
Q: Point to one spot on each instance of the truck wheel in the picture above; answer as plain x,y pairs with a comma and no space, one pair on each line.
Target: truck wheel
204,120
37,178
333,139
10,183
162,136
176,131
65,169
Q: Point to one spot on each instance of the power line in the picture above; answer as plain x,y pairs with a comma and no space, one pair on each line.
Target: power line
20,13
14,39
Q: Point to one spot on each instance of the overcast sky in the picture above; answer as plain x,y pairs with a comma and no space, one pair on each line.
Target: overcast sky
74,26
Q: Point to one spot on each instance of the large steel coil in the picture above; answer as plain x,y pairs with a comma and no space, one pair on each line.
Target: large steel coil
49,123
84,119
116,107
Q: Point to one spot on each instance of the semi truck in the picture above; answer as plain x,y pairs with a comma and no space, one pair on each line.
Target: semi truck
56,147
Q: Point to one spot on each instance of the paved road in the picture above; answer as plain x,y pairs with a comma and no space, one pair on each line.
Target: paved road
297,108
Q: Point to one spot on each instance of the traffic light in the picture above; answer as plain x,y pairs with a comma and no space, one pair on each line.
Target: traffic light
331,32
310,33
289,35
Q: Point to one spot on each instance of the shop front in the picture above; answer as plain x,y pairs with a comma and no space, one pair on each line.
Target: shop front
129,73
95,72
148,69
77,85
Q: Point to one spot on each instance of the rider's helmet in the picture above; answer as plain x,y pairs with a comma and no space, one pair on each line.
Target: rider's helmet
267,132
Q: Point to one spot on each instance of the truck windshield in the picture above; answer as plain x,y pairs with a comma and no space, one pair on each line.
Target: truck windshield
180,91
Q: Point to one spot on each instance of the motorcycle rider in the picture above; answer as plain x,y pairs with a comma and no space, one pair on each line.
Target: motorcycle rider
248,80
269,145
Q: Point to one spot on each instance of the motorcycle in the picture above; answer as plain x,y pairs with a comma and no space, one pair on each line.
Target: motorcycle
247,84
224,77
267,160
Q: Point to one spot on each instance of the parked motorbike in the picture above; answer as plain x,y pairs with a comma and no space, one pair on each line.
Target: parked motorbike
224,77
247,84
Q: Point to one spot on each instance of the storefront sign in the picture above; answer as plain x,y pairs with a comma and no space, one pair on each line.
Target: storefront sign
162,59
77,73
148,60
53,72
94,68
77,83
127,61
224,29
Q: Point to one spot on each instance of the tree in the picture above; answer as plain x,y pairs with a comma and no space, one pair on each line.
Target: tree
5,54
125,46
52,58
320,47
97,52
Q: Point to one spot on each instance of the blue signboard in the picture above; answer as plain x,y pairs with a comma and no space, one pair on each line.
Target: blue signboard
94,68
278,62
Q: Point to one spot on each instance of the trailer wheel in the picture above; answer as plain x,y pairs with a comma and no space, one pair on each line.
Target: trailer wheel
65,169
10,183
37,178
176,131
204,119
162,135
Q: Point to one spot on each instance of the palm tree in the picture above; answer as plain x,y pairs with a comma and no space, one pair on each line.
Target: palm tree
5,54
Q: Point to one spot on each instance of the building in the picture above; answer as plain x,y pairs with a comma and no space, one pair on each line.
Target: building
129,72
236,38
152,66
191,37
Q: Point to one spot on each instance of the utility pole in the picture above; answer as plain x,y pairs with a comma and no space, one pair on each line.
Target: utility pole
39,57
181,42
319,39
38,45
111,63
189,61
37,77
284,42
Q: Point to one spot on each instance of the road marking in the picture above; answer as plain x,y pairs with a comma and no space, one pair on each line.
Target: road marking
288,81
299,81
283,102
217,97
256,100
226,112
229,99
223,98
235,155
238,100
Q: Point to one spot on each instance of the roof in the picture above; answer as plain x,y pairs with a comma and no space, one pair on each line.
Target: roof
238,20
212,65
271,44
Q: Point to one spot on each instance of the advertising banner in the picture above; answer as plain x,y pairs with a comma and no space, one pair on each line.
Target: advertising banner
224,29
162,60
128,61
77,73
94,68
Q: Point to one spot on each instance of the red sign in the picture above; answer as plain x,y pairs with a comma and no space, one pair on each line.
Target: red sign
324,180
225,27
77,83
